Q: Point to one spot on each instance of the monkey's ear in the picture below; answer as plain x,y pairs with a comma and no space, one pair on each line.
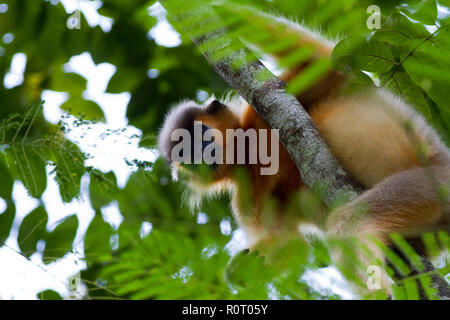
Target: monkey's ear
181,116
214,107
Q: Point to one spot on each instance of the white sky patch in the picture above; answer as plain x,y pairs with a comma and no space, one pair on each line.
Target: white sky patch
108,148
163,33
430,29
209,251
24,204
153,73
3,7
8,38
14,77
53,100
3,205
270,63
274,294
53,203
57,209
98,76
201,95
328,281
443,12
111,214
237,243
373,76
21,279
146,228
90,12
225,227
202,218
184,274
23,201
114,241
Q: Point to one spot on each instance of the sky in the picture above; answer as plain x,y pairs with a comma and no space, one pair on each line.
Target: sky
22,279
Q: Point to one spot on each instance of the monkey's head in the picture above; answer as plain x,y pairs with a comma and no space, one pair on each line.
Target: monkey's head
193,138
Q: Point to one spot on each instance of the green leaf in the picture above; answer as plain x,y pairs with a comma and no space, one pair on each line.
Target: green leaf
357,53
67,82
97,241
49,295
408,251
31,230
125,79
309,76
399,292
149,141
102,188
241,268
431,245
399,30
405,87
425,11
28,166
393,258
79,106
426,71
59,242
143,18
128,234
7,181
6,220
69,169
444,239
412,289
427,285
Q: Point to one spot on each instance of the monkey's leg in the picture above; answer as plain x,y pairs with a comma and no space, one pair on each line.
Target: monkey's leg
407,201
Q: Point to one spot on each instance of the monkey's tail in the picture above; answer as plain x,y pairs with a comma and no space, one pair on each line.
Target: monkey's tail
302,54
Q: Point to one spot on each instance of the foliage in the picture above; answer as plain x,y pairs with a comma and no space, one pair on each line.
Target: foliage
407,57
181,258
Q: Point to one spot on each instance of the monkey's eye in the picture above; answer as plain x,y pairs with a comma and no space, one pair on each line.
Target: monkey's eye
215,107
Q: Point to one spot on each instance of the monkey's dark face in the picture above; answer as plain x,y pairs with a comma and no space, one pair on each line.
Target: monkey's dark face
192,138
193,156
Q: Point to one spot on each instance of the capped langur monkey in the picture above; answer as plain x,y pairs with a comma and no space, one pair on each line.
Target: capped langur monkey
376,136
